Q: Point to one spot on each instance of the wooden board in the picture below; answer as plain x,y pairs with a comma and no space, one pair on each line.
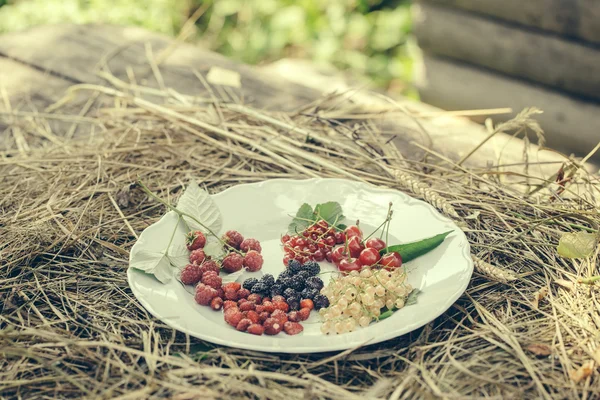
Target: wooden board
576,19
566,65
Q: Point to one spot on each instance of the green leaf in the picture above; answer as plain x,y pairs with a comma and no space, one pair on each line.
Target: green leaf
577,245
330,212
412,297
199,204
410,251
303,219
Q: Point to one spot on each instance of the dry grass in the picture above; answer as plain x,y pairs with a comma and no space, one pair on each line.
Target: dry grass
70,327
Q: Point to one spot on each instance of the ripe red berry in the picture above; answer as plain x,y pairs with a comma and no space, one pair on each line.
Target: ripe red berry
210,278
338,254
233,239
228,304
268,306
266,299
233,316
280,316
353,231
278,298
391,260
253,261
303,314
292,328
272,326
247,306
322,224
330,241
260,308
307,303
281,305
243,293
243,325
256,329
233,285
319,255
293,316
286,260
253,316
285,238
369,256
209,265
216,303
375,243
255,298
355,246
231,294
350,264
195,240
197,256
191,274
262,317
340,237
250,244
204,294
232,262
328,256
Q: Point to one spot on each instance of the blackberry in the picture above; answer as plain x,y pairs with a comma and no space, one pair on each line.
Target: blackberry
286,282
249,283
314,282
304,275
260,288
312,267
294,266
277,290
294,303
297,283
289,292
321,301
268,280
285,274
309,293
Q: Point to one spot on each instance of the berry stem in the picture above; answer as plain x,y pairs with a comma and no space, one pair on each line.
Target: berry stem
387,219
590,281
171,241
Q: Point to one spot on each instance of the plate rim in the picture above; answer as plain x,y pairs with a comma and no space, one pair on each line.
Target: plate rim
466,253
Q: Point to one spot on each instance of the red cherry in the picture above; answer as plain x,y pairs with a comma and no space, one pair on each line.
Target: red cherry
319,256
340,237
338,254
391,260
322,243
369,256
285,239
329,256
330,241
353,231
355,246
375,243
350,264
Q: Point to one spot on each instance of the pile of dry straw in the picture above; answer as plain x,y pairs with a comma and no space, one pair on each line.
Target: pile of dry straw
70,212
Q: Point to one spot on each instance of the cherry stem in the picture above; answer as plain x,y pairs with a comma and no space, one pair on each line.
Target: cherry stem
184,214
590,281
387,219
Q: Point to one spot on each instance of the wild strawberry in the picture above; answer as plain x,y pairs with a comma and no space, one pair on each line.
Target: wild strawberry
272,326
256,329
233,316
233,239
210,278
243,325
232,285
209,265
292,328
265,299
197,256
263,316
247,306
307,303
191,274
216,303
253,316
243,293
195,240
204,294
255,298
280,316
250,244
260,308
281,305
253,261
231,294
232,262
268,306
303,314
228,304
220,293
293,316
277,298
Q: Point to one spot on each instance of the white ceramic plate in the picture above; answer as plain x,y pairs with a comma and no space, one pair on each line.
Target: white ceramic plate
262,210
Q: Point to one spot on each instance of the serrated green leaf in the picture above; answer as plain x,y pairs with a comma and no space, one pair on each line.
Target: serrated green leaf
412,297
330,212
198,203
303,219
577,245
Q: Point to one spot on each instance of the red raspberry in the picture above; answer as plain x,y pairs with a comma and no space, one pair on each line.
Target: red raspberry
228,304
280,316
269,307
255,298
233,238
243,293
232,285
232,262
220,293
247,306
292,328
303,314
231,294
256,329
204,294
250,244
191,274
293,316
216,303
277,298
272,326
263,316
197,256
195,240
243,325
281,305
209,265
307,303
233,316
253,316
210,278
253,261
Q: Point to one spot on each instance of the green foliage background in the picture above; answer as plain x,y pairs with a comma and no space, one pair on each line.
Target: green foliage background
369,38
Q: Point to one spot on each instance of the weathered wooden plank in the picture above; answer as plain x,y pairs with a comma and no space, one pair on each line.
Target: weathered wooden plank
570,124
578,19
559,63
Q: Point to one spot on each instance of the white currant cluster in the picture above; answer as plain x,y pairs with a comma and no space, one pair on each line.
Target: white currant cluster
359,298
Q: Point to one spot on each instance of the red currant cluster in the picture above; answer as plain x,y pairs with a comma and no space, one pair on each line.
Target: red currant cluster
357,253
315,243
